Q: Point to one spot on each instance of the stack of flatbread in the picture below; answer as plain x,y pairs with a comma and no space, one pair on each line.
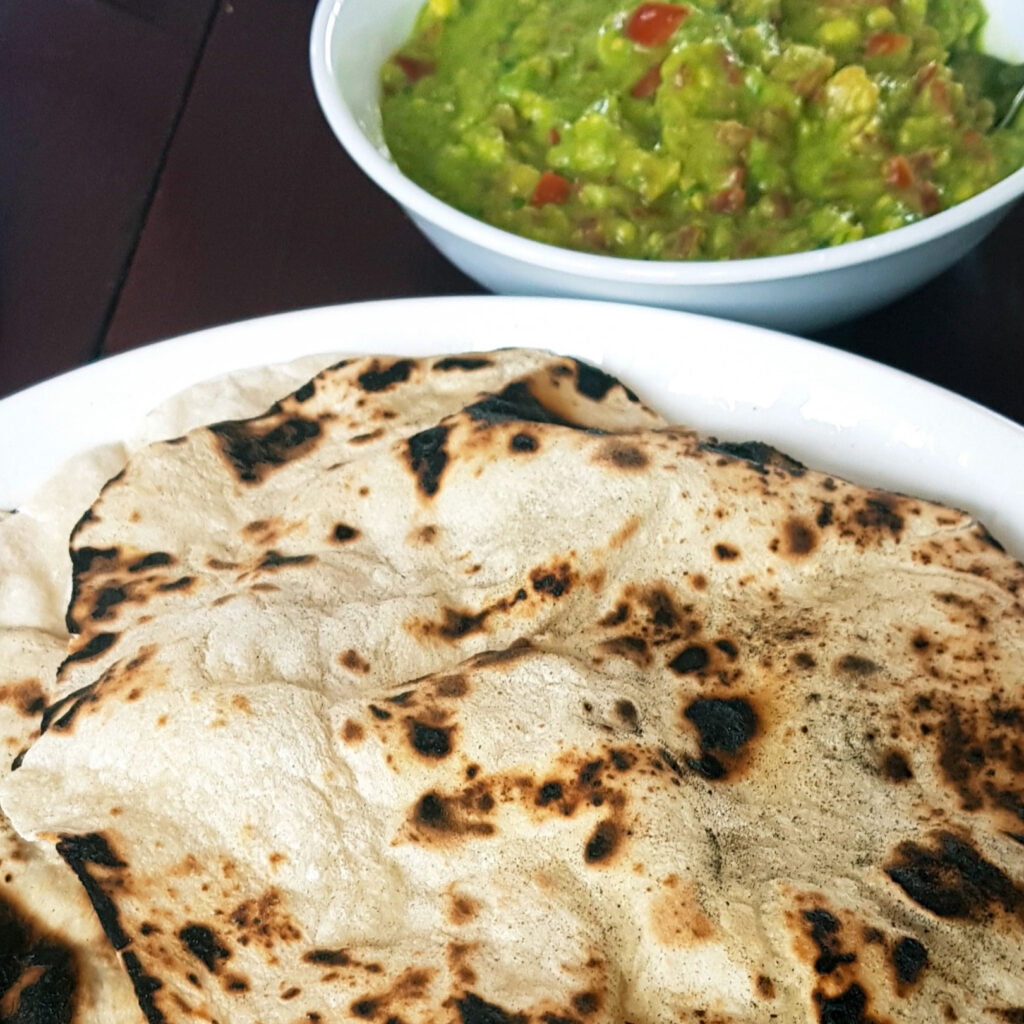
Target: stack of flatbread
467,690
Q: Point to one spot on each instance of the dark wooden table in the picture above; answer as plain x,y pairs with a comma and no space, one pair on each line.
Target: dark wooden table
164,167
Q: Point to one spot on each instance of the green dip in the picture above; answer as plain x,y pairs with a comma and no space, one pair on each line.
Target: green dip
698,129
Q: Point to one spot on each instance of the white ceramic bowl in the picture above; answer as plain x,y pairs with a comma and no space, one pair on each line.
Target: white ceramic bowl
351,38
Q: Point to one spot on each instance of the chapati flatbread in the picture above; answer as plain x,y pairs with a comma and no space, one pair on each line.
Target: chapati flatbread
466,690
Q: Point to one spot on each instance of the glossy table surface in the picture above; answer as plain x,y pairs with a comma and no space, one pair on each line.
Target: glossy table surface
164,167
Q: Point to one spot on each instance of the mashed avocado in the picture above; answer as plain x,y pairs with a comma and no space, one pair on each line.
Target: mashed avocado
704,129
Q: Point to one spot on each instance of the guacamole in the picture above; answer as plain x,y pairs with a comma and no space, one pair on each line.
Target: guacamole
697,129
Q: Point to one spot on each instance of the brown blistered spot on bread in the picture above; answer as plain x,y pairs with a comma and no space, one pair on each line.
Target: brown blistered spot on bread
461,909
950,878
275,560
410,987
354,661
202,942
468,363
799,538
381,376
254,448
765,987
978,745
427,457
676,917
352,732
623,456
264,922
725,729
25,697
856,665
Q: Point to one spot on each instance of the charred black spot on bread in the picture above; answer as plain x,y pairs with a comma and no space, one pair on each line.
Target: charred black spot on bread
515,403
910,958
154,560
627,714
728,648
428,457
146,987
549,793
462,363
554,582
379,713
690,659
203,944
602,843
343,533
856,665
93,849
760,455
305,393
725,727
182,583
252,454
328,957
586,1003
379,377
952,879
61,714
825,514
430,811
824,933
364,1008
92,649
275,560
895,767
726,553
523,442
474,1010
38,972
595,384
849,1007
986,538
430,741
879,513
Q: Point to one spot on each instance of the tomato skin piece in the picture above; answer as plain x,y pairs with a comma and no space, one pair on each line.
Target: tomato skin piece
652,24
414,68
883,43
898,172
551,188
647,84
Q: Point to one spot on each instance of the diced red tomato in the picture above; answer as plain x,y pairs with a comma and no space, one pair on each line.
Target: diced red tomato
552,188
647,84
414,68
652,24
898,172
881,44
729,200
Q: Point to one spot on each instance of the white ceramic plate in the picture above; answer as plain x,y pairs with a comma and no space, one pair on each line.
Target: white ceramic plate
831,410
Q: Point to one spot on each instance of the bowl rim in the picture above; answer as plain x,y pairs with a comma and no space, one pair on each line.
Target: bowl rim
418,202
